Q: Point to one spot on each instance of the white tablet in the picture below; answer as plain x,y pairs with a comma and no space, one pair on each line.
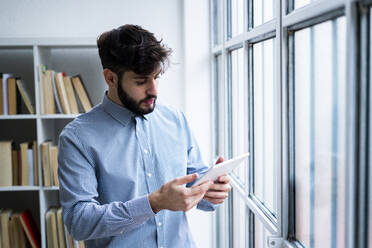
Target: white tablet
222,168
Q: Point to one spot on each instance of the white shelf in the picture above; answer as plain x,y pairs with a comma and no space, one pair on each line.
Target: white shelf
51,188
20,188
44,41
59,116
17,117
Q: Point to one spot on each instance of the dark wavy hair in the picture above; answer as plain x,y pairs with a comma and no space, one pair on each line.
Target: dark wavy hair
132,48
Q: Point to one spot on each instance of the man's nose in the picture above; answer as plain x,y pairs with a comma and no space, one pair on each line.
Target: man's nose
152,89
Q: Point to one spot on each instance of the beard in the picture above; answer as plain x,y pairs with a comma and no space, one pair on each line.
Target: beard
134,106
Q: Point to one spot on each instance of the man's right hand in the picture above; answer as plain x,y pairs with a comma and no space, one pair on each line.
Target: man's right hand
175,196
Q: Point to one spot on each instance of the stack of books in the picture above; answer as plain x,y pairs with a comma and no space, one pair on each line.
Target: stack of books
49,164
56,232
19,163
14,99
61,93
18,229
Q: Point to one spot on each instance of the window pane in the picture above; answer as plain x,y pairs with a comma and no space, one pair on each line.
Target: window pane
301,3
264,121
216,22
239,111
240,230
260,234
236,22
263,11
320,118
217,106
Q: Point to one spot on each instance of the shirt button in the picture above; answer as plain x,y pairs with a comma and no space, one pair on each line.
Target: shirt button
121,232
149,174
145,151
137,128
160,224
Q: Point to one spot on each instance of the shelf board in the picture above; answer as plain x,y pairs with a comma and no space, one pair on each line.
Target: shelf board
51,41
59,116
17,117
51,188
20,188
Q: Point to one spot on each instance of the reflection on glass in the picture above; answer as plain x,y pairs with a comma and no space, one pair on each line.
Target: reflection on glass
216,22
237,17
320,134
240,233
239,111
264,121
263,11
260,234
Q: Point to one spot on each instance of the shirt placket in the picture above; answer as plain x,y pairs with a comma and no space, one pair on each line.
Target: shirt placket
150,172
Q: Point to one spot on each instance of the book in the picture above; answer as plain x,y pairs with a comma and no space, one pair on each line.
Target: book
60,228
51,228
45,161
53,164
6,165
15,166
41,77
4,219
5,92
48,94
16,234
1,99
36,162
71,95
81,92
24,169
25,96
30,229
55,93
62,94
30,160
13,102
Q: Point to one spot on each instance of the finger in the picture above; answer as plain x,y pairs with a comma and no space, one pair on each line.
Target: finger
200,189
220,160
216,195
220,187
214,201
224,179
185,179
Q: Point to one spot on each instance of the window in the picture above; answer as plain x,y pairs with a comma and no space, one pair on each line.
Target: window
319,134
297,95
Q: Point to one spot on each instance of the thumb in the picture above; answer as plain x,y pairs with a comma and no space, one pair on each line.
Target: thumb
185,179
220,160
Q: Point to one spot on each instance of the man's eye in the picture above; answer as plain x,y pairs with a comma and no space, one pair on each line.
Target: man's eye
140,82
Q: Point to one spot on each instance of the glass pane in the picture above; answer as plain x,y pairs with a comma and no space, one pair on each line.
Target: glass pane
240,230
239,110
301,3
264,121
217,20
260,234
217,106
320,120
237,17
263,11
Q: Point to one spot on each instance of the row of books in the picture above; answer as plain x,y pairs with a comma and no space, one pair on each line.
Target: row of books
18,229
14,99
61,93
19,163
56,233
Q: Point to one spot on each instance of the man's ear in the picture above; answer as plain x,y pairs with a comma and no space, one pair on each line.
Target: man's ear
111,78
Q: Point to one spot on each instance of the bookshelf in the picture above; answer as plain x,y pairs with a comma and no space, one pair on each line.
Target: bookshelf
21,57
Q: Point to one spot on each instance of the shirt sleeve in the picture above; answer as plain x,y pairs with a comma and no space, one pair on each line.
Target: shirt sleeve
84,217
195,163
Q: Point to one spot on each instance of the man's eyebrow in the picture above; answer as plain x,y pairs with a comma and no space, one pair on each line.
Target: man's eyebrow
146,76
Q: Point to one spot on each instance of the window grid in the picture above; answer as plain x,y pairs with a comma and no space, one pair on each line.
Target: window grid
311,14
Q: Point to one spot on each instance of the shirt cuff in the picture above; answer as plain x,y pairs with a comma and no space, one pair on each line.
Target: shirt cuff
205,205
140,209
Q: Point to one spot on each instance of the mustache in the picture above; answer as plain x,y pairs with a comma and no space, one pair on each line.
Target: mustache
149,97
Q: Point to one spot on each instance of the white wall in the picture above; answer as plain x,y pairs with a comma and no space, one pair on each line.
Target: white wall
89,18
184,26
198,98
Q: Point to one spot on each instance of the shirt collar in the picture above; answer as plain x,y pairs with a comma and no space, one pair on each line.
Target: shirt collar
118,112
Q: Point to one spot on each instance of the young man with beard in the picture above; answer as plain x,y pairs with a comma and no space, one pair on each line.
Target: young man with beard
124,165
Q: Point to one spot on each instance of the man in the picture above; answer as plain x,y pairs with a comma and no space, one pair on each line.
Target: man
123,166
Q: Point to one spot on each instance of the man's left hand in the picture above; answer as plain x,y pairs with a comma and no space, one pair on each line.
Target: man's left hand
219,190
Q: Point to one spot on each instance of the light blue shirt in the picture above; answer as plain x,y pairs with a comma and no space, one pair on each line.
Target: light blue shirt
110,160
